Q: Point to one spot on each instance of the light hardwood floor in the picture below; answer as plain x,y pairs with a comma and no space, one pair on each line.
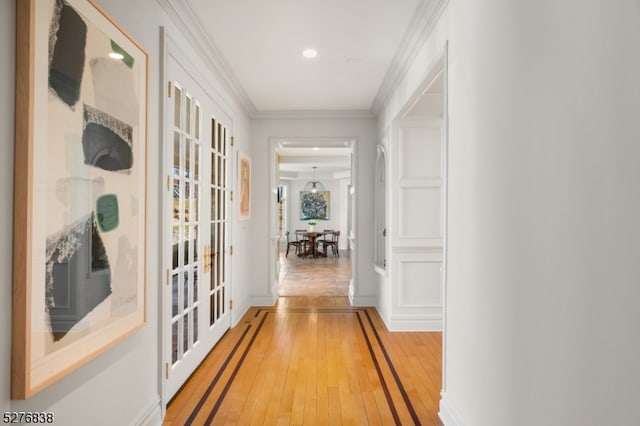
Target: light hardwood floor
321,276
313,360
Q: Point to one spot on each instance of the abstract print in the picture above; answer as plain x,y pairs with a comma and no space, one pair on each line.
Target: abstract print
106,141
79,274
67,42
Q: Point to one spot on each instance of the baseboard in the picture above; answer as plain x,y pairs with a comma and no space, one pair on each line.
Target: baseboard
263,300
363,301
447,413
239,313
152,416
414,323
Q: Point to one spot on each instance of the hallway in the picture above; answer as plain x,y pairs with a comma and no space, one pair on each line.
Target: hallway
314,360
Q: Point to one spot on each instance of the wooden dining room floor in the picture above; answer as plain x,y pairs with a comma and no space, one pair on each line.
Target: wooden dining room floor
309,276
314,360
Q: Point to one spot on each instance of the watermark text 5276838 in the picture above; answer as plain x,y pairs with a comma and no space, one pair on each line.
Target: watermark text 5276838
28,417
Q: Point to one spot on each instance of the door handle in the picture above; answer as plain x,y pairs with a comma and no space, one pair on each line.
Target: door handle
206,261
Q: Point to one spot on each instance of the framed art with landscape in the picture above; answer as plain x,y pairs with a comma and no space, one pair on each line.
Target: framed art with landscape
79,282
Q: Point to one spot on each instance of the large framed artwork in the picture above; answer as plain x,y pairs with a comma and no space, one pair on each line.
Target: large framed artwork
80,189
315,205
244,183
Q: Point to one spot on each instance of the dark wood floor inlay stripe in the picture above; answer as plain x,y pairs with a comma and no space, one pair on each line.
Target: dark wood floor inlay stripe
213,383
383,382
235,371
405,396
358,314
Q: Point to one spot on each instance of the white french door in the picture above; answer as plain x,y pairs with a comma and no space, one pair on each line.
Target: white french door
196,227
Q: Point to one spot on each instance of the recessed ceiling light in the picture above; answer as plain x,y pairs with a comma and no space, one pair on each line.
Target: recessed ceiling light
315,148
310,53
116,55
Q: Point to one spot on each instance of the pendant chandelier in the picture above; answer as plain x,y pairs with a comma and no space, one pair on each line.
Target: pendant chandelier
314,186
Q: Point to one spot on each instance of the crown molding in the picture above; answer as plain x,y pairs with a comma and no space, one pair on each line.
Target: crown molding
312,114
183,16
427,15
186,20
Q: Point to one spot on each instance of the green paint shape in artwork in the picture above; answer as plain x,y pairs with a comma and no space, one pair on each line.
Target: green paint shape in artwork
107,208
126,58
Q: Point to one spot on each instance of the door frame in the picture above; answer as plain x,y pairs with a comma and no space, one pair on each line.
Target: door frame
274,143
441,65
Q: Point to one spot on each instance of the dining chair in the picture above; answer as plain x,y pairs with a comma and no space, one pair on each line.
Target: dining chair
296,243
331,240
302,240
321,239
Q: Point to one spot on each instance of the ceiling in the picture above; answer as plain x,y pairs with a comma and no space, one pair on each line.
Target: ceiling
364,48
261,44
326,158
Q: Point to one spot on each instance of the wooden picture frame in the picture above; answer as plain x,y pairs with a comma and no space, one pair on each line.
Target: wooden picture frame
244,186
79,249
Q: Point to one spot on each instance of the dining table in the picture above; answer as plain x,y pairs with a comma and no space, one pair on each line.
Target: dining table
312,249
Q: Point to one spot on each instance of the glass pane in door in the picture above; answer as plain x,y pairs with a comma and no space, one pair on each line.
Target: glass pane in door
184,219
219,194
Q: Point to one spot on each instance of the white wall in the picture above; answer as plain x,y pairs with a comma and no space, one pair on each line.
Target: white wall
542,322
363,131
121,386
241,232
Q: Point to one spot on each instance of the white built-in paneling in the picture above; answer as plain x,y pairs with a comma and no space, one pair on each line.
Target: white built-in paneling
418,182
416,234
420,224
419,153
419,269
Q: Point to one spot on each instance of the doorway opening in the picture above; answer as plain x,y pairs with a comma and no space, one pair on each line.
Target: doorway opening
313,255
422,133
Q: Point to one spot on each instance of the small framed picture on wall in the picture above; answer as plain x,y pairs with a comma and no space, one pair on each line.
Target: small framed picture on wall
244,185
